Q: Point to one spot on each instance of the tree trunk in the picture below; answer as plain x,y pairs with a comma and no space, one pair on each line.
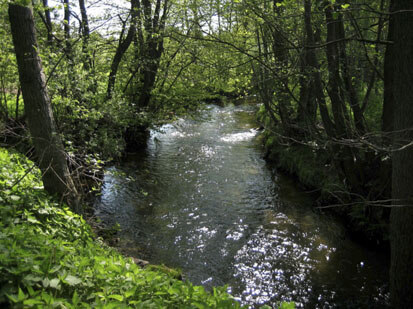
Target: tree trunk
85,35
152,50
307,107
334,81
122,48
401,220
49,150
388,103
315,72
66,28
281,55
352,174
48,22
264,80
348,80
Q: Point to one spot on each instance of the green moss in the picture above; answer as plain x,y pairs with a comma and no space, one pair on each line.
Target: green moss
308,165
49,258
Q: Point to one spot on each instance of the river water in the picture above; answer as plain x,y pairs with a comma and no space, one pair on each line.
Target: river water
201,198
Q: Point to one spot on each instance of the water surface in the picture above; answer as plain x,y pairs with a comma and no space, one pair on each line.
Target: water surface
201,198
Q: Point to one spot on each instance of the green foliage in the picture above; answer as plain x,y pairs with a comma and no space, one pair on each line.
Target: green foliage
283,305
197,68
8,68
48,257
308,161
305,163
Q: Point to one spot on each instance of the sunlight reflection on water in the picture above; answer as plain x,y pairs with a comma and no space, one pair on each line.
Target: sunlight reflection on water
239,137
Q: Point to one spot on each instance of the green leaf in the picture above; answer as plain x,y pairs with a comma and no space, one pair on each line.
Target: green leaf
285,305
116,296
32,278
13,298
31,291
200,305
54,283
47,298
14,197
46,282
130,293
72,280
21,296
75,298
32,302
55,269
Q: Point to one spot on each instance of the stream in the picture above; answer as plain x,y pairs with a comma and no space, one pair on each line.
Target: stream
201,198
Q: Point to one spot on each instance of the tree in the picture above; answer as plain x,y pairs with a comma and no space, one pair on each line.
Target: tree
123,46
150,47
50,155
66,27
84,26
47,20
401,277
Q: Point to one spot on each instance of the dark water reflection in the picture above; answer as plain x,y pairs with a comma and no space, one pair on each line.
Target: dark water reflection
202,199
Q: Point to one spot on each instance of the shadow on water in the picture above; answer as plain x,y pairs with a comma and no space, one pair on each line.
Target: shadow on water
201,198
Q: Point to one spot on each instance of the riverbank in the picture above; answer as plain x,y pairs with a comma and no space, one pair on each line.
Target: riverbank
312,168
50,256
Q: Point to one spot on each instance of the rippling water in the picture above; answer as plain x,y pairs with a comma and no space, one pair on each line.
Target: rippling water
201,198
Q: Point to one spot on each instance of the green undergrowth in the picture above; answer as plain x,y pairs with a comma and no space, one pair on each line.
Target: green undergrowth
49,258
311,166
313,170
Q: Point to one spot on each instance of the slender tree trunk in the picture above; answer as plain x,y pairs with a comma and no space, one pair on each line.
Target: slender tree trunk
16,115
334,81
48,22
348,166
5,109
388,103
307,108
122,48
281,56
49,150
263,77
85,34
348,81
385,176
306,113
378,50
401,219
66,28
120,51
315,72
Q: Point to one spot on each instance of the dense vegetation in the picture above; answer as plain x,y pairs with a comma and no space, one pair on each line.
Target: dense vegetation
334,78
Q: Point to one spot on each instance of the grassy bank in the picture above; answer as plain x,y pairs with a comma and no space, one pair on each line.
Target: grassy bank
50,258
313,169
